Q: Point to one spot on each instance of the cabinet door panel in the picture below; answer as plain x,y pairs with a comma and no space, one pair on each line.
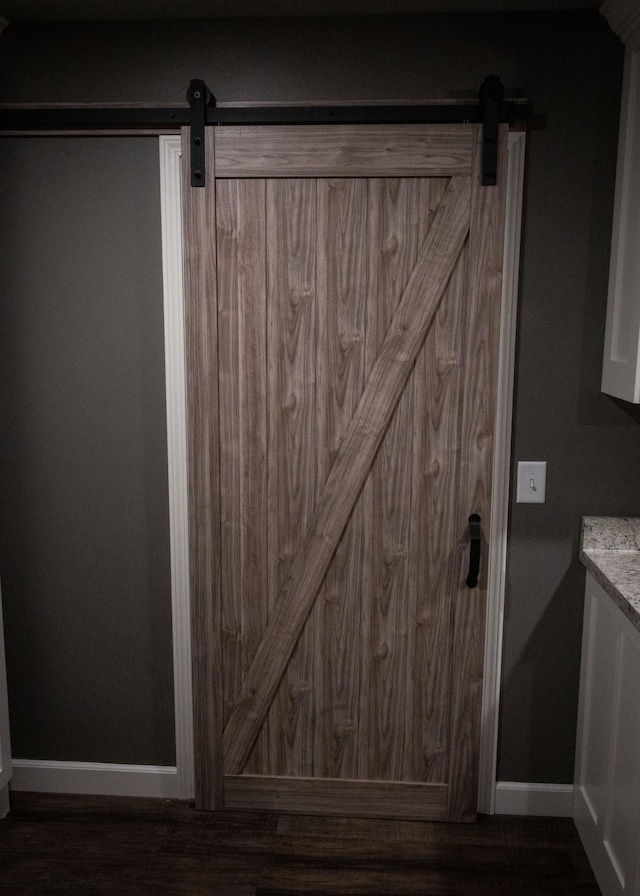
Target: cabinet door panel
622,826
599,684
607,781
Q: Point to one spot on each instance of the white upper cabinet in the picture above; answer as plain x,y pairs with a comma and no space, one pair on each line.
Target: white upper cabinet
621,367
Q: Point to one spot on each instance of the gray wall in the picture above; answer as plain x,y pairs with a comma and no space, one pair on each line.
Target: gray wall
570,66
84,548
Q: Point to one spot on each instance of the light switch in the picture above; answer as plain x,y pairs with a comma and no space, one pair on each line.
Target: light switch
532,481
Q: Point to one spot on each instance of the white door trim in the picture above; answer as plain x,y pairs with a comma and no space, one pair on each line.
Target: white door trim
176,430
496,584
171,210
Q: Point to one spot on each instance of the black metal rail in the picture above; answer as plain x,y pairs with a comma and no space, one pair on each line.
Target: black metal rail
490,110
61,118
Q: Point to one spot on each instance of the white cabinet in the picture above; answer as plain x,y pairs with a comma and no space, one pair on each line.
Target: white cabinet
621,365
607,780
5,745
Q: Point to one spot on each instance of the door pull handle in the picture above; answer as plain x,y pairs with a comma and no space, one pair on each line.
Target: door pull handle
474,550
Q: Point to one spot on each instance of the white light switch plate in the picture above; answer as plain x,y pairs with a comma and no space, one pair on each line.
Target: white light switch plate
532,481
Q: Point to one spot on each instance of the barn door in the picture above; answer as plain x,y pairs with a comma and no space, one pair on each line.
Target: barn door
343,289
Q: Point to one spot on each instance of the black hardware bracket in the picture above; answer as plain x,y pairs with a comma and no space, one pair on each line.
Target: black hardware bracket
491,97
199,98
202,110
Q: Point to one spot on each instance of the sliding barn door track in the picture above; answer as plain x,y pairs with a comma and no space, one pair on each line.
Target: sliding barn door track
490,110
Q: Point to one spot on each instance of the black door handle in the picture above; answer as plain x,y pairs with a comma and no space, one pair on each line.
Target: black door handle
474,550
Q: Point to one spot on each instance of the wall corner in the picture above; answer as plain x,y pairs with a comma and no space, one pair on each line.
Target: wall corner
623,17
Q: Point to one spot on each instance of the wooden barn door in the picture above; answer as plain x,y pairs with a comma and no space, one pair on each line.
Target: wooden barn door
343,289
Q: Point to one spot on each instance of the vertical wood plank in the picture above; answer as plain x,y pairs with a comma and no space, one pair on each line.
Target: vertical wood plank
480,378
201,350
243,432
231,559
393,218
436,385
342,288
295,443
252,313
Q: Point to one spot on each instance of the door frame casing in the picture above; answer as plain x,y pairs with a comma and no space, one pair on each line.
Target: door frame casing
175,380
497,573
170,165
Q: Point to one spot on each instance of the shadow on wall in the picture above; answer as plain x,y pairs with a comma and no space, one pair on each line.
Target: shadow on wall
540,684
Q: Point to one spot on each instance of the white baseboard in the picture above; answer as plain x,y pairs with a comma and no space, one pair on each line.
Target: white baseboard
103,779
107,779
520,798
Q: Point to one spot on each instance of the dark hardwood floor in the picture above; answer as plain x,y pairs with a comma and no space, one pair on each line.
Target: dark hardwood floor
99,845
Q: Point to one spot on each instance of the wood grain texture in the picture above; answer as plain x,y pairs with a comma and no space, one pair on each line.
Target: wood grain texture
343,289
78,845
386,699
322,796
356,363
231,445
388,377
242,281
344,151
437,384
295,448
201,337
477,425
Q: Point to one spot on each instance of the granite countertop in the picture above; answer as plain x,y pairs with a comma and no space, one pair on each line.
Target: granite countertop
610,550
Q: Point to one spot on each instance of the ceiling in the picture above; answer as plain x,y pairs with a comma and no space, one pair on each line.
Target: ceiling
110,10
